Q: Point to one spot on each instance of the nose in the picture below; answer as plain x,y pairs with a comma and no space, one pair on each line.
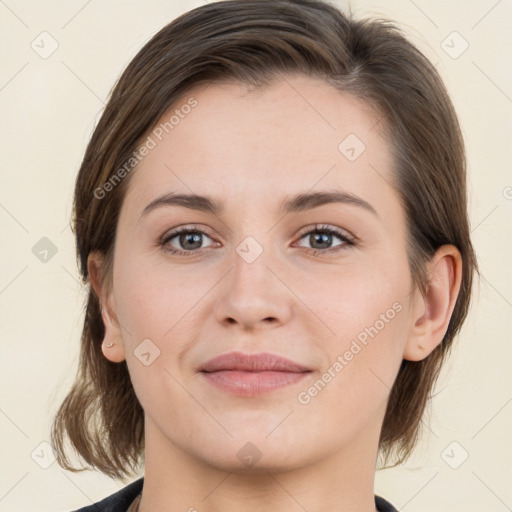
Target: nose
254,295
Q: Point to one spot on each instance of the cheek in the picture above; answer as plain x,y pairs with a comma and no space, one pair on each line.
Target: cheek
361,362
351,298
152,299
366,312
155,307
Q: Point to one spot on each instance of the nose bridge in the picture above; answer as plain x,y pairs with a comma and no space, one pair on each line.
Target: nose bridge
252,292
251,262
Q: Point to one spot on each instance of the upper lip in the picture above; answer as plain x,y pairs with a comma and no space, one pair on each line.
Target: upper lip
263,361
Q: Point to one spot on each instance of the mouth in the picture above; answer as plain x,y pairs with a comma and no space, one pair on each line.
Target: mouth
252,374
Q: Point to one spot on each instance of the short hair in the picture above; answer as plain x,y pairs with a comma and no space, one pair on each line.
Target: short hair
254,42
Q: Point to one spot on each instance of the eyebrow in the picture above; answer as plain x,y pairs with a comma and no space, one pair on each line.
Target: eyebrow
297,203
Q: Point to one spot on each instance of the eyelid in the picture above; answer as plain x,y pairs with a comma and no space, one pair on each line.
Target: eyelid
164,240
329,228
171,233
346,237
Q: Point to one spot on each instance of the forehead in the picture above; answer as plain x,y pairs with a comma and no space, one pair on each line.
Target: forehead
261,144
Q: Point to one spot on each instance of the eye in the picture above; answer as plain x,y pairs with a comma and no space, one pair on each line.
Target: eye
188,239
321,239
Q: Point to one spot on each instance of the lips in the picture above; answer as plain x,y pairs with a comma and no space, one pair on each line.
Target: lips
250,375
236,361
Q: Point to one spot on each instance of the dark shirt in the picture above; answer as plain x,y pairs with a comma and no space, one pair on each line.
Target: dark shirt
122,499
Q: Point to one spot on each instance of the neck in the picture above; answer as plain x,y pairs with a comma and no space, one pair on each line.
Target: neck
176,480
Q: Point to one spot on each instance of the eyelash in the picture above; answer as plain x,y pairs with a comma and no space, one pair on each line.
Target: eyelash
322,229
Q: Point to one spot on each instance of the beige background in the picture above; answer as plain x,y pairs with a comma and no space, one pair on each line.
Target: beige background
49,107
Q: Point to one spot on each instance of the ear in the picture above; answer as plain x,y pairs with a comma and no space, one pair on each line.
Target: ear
112,346
432,313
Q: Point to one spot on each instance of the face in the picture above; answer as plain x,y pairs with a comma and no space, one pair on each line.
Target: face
321,281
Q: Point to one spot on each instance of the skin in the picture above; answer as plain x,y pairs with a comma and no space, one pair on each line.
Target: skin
252,150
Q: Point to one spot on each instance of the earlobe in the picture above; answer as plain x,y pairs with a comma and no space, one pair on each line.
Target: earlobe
432,313
112,346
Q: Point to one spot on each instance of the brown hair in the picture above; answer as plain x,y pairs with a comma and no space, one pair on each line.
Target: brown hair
253,42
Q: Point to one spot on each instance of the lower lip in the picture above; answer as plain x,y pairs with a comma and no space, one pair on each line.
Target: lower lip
252,383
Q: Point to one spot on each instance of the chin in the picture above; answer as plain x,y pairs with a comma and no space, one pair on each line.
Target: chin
253,453
268,463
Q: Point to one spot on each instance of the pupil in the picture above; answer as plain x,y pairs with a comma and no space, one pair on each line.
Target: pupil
324,238
195,238
190,237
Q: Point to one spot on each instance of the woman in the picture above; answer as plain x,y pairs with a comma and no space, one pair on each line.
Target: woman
272,217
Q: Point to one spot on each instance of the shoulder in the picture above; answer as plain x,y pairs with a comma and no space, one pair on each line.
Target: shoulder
117,502
383,505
